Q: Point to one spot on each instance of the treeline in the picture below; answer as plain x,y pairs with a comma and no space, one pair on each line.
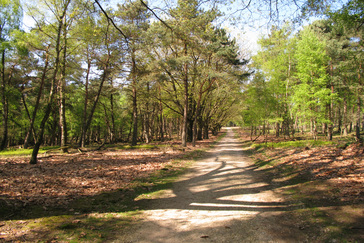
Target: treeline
83,73
311,80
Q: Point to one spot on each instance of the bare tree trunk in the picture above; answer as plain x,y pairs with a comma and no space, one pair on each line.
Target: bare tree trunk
161,128
331,109
108,125
96,101
33,159
185,108
358,108
36,106
84,120
357,125
277,129
31,131
345,118
62,87
97,97
339,120
112,132
5,104
134,139
146,118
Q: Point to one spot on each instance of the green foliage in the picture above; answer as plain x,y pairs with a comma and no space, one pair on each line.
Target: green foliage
293,144
10,18
275,65
311,92
25,152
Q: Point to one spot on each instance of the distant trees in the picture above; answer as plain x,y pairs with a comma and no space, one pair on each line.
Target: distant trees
314,77
10,21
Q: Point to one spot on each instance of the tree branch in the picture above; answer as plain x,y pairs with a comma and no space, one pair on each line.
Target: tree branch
155,15
112,21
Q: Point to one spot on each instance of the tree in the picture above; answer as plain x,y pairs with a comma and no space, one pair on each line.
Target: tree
48,109
134,18
104,57
351,19
277,62
10,19
311,93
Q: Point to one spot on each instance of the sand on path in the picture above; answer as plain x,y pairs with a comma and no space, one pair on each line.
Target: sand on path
223,198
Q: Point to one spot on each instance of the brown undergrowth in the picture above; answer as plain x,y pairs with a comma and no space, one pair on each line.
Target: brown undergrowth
341,165
326,181
83,196
58,179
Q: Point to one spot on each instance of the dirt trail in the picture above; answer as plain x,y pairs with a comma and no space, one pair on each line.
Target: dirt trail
224,198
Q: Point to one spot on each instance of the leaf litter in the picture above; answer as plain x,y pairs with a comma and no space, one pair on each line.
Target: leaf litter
58,179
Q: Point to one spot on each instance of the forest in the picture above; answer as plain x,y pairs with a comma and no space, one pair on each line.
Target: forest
155,121
310,80
85,73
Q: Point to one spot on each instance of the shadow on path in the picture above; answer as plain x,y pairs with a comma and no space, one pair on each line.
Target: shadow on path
224,180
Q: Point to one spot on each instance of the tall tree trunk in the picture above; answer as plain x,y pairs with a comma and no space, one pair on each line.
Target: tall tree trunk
339,119
345,118
36,106
358,108
146,118
31,131
134,139
33,159
331,107
161,128
4,101
104,76
185,108
357,125
206,130
108,125
112,115
277,129
197,116
85,104
62,87
96,101
112,133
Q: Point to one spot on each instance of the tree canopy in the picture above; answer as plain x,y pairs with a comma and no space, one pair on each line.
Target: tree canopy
91,72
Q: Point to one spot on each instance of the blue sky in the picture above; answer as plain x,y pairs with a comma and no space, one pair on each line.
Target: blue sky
245,25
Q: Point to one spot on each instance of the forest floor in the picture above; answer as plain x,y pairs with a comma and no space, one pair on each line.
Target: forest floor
235,192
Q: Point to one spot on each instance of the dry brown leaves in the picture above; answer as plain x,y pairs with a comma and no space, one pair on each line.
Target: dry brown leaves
57,179
343,168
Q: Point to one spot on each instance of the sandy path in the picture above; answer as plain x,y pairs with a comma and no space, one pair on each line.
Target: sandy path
224,198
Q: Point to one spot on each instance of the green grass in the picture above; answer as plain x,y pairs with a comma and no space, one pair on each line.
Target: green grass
295,144
82,228
25,152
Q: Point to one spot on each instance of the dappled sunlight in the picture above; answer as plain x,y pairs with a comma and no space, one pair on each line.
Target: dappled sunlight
221,190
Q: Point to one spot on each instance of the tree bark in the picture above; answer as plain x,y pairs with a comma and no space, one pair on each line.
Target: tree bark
62,87
5,104
84,120
104,76
358,108
36,106
33,159
185,108
134,139
357,125
161,128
